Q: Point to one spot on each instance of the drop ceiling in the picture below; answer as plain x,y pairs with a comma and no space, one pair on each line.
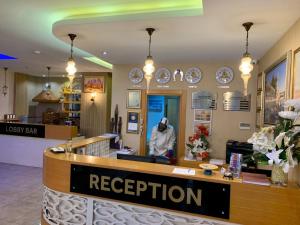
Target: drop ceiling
186,34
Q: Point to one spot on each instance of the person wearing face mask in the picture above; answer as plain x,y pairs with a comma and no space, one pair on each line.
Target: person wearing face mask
162,139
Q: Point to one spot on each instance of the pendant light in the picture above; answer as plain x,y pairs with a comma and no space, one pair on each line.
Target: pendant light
48,86
149,63
5,87
246,65
71,66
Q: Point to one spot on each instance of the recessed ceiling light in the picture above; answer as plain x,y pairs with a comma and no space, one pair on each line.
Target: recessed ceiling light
44,75
37,52
104,53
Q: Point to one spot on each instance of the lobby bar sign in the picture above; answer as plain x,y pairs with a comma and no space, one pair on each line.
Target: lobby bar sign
200,197
27,130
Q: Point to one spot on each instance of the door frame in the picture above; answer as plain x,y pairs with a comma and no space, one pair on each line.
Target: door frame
182,119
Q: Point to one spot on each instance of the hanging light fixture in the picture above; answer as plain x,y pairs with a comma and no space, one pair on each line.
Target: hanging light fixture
5,87
48,85
149,63
246,65
71,66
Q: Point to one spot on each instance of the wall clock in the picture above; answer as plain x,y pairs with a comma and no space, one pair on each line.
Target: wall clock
193,75
162,75
136,75
224,75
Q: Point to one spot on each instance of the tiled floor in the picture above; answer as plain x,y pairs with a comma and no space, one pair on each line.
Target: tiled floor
20,195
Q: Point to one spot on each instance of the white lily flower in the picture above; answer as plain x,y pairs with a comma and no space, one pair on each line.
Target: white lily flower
274,156
293,102
286,140
279,138
291,115
289,156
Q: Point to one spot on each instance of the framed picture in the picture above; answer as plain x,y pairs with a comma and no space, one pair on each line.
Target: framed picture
134,99
202,115
133,119
93,84
296,77
276,90
259,82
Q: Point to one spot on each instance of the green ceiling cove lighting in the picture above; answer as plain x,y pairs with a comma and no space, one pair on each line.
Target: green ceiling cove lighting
134,7
98,61
114,10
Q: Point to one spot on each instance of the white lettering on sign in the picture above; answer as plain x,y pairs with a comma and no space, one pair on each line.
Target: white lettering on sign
164,192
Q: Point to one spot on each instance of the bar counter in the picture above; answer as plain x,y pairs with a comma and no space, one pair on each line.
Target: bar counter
24,143
49,131
70,196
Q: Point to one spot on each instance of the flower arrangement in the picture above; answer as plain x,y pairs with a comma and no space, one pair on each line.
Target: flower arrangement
279,145
198,144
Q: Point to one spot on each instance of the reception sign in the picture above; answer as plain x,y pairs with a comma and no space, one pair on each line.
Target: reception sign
200,197
27,130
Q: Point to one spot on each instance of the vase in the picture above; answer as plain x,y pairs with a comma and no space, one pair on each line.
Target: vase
278,177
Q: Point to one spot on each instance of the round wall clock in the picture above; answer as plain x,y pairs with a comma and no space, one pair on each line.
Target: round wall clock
224,75
136,75
162,75
193,75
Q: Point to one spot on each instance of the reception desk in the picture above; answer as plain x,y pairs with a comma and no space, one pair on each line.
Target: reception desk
81,189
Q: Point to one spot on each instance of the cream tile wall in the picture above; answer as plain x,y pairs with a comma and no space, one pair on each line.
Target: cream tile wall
225,125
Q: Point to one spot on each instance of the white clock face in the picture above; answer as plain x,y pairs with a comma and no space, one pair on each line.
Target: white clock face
193,75
162,75
224,75
136,75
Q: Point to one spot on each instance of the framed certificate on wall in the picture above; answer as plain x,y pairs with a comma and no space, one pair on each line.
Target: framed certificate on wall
134,99
133,122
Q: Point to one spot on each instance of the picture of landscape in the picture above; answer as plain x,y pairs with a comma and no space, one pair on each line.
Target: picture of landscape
275,84
297,76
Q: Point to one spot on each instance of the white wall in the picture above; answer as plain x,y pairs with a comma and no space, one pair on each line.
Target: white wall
6,102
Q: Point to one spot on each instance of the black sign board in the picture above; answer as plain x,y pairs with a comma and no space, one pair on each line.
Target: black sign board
19,129
200,197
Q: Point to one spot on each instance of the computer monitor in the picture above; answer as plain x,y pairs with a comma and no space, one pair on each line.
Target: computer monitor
136,158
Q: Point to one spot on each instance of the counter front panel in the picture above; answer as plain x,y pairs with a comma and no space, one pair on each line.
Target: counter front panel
186,195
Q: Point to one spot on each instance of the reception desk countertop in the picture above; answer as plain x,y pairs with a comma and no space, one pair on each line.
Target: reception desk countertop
249,204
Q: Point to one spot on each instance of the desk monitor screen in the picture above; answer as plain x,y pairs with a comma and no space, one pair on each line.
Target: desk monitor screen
136,158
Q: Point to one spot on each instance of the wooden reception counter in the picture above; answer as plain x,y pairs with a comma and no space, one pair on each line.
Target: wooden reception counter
81,189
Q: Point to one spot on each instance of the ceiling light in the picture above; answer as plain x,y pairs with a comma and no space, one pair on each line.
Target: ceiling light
48,85
104,53
37,52
5,87
44,75
246,65
149,63
71,66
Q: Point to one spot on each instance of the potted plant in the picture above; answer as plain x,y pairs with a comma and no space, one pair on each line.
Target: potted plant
279,145
198,145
